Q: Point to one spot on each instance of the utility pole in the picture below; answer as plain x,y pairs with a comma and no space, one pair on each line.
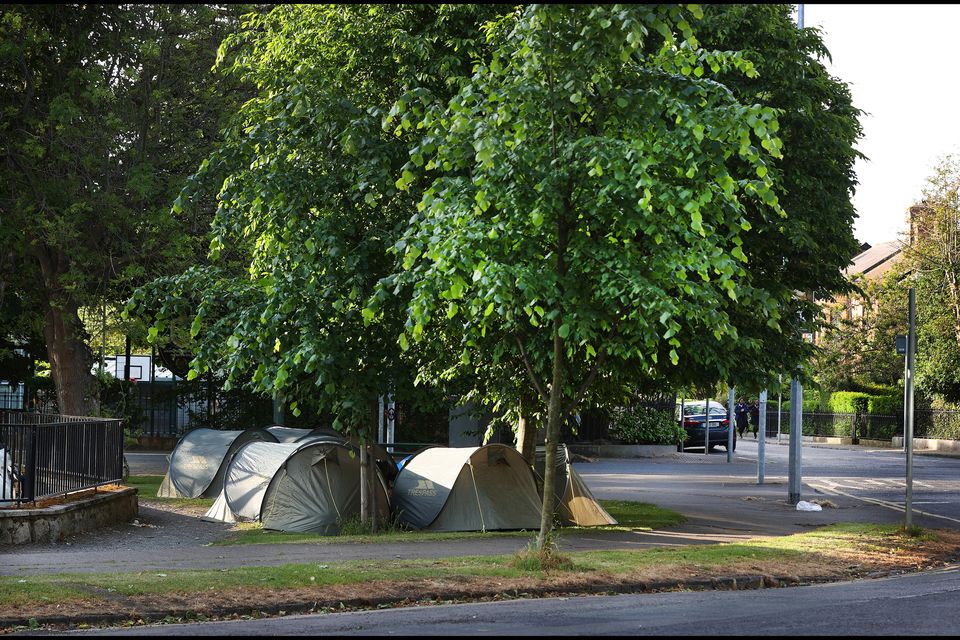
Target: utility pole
796,437
762,438
908,425
730,425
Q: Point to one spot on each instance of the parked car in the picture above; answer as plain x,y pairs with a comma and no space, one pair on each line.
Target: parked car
694,417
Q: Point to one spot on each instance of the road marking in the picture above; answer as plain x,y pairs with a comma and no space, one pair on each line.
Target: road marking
882,503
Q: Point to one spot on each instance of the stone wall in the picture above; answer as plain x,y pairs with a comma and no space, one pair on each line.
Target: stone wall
623,450
52,524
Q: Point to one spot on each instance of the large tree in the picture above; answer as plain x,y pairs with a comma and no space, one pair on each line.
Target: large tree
107,108
932,259
306,187
585,200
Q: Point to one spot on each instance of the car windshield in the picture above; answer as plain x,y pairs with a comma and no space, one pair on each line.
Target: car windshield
697,409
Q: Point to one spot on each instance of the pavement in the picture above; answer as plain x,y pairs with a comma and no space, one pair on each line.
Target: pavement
721,501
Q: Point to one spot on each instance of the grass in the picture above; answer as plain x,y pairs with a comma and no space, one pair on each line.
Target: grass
826,548
631,516
148,486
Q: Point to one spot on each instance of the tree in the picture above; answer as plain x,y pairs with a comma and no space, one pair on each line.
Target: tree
308,203
933,258
808,250
858,353
105,107
587,188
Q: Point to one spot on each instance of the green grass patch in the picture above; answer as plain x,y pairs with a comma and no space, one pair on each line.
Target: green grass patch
639,515
631,516
148,486
828,542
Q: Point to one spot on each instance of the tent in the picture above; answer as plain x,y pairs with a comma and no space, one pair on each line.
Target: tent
197,463
310,486
385,461
467,489
575,504
288,434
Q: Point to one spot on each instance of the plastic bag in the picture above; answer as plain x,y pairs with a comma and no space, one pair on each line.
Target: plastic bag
803,505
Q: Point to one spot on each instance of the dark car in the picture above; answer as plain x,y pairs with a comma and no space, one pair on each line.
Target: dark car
694,416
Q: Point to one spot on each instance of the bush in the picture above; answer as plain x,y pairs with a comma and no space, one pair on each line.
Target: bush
849,402
644,425
885,405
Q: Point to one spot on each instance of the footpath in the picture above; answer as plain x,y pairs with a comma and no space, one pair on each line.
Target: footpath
722,502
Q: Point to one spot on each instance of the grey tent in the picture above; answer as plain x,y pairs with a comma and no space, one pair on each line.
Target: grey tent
467,489
575,504
309,486
288,434
197,463
385,461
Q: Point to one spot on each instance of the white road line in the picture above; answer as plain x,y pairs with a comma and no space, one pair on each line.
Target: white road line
883,503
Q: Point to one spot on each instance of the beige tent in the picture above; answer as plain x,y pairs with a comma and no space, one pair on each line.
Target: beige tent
575,505
467,489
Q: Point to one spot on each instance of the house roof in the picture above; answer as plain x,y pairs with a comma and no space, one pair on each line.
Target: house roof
876,260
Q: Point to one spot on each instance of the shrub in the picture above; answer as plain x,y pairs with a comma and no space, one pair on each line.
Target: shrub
644,425
885,405
849,402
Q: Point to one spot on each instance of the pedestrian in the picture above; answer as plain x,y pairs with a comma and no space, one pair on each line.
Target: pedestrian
755,417
740,414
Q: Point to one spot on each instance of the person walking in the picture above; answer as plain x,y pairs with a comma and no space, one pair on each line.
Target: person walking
755,418
740,415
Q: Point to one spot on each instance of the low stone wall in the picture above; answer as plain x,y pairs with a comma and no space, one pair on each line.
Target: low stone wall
51,524
930,444
623,450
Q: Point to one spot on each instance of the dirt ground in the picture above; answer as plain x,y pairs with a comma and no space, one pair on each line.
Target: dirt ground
887,558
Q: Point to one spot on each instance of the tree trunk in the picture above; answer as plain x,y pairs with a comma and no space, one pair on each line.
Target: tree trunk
553,436
527,432
70,363
71,360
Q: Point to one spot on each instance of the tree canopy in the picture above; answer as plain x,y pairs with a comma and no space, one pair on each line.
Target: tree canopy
308,194
587,187
106,109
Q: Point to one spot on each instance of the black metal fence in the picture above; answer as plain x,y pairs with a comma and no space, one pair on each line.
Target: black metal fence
927,423
44,455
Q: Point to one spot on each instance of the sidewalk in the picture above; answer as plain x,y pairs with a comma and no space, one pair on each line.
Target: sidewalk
722,503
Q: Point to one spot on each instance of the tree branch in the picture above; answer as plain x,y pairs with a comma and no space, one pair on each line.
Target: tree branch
533,376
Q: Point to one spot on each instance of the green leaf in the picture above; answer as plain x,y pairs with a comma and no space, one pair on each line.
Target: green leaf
564,330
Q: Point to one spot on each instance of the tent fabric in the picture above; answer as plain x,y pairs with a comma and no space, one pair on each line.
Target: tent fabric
309,486
467,489
575,504
288,434
197,463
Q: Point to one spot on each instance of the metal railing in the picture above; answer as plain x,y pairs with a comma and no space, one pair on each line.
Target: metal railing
48,455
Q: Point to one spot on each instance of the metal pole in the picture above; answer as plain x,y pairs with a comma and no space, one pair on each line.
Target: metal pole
906,374
153,390
796,438
706,428
762,438
908,427
779,398
683,413
391,419
380,420
278,413
730,425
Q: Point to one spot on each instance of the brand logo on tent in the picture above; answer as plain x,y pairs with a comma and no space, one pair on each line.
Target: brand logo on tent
423,488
